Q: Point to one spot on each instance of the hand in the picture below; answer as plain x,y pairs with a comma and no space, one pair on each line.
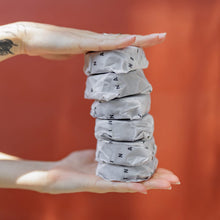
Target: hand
55,42
76,173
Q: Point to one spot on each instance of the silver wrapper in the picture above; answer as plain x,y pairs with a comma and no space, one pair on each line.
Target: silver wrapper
131,107
125,130
125,173
126,153
106,87
117,61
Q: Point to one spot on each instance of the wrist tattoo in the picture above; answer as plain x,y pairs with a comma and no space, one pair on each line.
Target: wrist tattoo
5,47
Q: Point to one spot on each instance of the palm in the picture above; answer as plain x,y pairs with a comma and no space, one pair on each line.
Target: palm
76,173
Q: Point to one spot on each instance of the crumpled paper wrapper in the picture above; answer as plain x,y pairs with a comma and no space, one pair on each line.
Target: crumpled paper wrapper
125,130
126,148
126,153
117,61
131,107
126,173
105,87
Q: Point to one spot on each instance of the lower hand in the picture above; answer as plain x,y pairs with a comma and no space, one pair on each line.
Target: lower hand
76,173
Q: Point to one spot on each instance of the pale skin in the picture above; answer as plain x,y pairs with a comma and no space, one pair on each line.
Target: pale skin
75,172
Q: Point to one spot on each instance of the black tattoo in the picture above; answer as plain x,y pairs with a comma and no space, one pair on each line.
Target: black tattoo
5,46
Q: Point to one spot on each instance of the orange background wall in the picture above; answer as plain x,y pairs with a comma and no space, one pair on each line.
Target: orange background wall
43,115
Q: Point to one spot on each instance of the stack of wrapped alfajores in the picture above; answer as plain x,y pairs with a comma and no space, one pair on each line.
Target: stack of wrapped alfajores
124,130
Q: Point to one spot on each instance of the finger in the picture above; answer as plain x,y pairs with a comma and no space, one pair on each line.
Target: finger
81,157
167,173
163,170
106,44
167,176
141,40
103,186
149,40
157,184
128,187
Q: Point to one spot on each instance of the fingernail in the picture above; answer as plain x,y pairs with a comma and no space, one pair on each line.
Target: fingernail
169,188
162,35
178,183
144,193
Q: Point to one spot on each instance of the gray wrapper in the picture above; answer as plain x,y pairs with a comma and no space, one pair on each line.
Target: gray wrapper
106,87
126,153
131,107
117,61
125,130
126,150
125,173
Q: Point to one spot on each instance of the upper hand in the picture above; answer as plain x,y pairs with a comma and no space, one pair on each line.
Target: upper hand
76,173
53,42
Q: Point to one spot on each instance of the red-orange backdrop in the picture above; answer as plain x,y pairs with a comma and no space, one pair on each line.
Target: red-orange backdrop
43,115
